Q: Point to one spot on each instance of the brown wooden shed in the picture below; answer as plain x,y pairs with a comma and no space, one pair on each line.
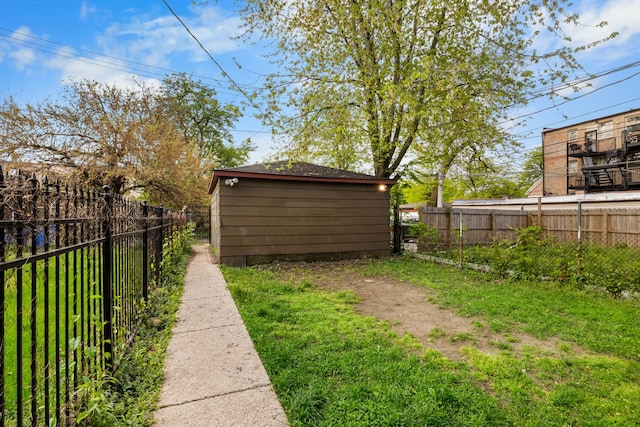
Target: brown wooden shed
297,211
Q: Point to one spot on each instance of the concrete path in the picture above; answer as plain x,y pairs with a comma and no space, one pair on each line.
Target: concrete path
213,375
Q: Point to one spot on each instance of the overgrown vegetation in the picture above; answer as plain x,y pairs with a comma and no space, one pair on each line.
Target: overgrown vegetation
532,257
331,366
156,141
129,396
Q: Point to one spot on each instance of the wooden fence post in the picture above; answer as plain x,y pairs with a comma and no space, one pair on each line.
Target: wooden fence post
539,224
605,228
449,215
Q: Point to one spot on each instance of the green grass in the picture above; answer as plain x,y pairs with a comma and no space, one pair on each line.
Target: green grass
130,396
331,366
129,393
542,309
10,324
81,269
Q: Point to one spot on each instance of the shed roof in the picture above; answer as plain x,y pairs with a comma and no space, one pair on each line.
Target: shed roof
296,171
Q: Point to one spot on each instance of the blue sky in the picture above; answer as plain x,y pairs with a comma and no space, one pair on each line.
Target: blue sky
44,43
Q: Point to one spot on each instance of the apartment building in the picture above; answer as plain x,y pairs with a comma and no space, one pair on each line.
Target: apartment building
593,156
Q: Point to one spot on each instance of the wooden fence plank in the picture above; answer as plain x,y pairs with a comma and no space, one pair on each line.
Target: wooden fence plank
602,226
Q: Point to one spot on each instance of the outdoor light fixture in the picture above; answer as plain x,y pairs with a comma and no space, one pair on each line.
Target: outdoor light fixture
231,182
382,187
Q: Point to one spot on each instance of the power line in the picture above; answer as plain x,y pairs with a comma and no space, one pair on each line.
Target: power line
43,46
573,118
224,73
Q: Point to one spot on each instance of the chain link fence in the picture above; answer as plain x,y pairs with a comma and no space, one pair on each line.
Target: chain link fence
591,247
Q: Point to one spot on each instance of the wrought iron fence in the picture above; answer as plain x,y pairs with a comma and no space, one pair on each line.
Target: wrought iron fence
200,216
76,267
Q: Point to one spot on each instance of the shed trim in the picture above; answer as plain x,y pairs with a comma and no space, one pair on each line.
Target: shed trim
279,176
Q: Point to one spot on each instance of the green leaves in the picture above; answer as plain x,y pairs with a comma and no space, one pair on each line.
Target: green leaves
372,83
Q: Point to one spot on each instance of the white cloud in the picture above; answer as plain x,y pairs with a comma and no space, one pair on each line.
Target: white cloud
73,67
87,9
154,41
621,17
20,55
23,58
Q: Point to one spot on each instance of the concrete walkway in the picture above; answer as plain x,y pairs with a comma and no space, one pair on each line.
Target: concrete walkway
213,375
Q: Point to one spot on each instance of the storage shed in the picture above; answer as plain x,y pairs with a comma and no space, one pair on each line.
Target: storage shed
297,211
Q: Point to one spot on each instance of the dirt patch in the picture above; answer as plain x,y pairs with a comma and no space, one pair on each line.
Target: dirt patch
408,309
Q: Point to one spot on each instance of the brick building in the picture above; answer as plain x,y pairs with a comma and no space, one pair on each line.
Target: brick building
593,156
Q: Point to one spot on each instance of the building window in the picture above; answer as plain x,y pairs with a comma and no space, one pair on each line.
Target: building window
606,130
572,135
573,166
630,121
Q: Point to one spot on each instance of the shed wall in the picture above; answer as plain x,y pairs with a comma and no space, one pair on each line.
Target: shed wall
261,220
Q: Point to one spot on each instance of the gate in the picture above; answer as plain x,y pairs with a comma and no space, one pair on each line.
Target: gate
201,216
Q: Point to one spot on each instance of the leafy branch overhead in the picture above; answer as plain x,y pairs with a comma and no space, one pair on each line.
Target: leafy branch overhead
159,142
376,83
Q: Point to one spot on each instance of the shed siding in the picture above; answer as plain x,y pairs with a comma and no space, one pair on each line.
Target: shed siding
266,219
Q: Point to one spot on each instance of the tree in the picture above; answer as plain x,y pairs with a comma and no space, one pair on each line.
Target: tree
399,79
203,121
486,176
126,138
532,169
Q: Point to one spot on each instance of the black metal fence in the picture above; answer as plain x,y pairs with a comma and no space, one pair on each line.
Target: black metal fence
200,216
76,267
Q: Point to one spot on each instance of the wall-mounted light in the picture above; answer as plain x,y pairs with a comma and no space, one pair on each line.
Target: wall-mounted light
382,187
231,182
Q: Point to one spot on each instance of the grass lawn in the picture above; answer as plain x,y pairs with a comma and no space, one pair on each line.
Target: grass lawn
332,366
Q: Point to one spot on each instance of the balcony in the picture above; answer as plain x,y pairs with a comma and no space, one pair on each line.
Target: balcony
606,177
631,136
581,150
592,147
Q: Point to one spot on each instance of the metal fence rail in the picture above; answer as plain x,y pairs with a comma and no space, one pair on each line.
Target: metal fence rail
601,226
76,266
200,216
598,248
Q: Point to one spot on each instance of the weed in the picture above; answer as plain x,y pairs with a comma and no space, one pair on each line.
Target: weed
436,333
477,324
462,337
501,345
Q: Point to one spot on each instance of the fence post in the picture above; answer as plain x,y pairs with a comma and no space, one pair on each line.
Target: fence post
605,228
579,257
145,251
539,212
107,280
2,296
449,215
461,242
159,244
579,222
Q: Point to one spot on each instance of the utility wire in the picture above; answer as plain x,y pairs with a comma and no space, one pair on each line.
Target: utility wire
43,47
204,49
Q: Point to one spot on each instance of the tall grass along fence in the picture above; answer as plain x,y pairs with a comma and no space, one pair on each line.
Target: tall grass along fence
76,267
597,247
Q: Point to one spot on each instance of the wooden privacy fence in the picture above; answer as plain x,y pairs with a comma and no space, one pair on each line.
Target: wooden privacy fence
602,226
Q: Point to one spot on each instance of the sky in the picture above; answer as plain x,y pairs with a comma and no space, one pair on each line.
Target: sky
44,44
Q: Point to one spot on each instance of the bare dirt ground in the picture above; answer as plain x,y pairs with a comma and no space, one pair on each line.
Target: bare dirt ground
408,309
